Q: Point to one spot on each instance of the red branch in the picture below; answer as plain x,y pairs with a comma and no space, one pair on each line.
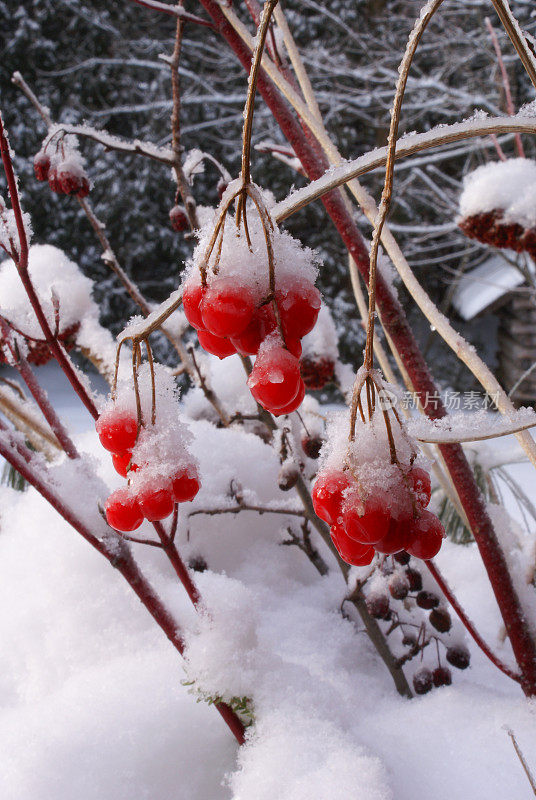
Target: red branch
397,326
21,260
451,597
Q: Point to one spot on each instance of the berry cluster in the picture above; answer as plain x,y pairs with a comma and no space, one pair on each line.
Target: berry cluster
365,523
64,172
152,456
38,351
491,228
155,495
229,320
395,596
317,371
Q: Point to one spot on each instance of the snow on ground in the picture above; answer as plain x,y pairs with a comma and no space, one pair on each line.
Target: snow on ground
92,704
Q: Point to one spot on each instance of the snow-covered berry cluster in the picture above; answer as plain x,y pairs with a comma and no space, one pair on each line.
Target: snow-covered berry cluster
63,169
498,205
371,503
234,310
153,456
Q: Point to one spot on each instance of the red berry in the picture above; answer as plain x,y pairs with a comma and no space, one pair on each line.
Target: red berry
54,181
396,537
426,536
275,379
420,484
121,462
215,344
122,511
292,406
156,499
317,371
227,307
72,182
41,164
328,494
249,341
354,553
192,295
366,522
294,346
298,304
117,430
179,219
185,484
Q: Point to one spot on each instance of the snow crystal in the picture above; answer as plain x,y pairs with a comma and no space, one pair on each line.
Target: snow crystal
508,186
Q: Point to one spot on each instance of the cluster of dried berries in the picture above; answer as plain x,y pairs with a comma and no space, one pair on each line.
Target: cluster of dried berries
492,229
63,171
39,352
403,592
317,371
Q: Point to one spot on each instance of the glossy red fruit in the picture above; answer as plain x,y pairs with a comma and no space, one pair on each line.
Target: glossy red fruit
426,536
121,462
294,346
293,405
354,553
299,304
185,484
366,521
421,486
328,493
117,430
179,219
41,164
227,307
192,296
156,499
215,344
396,537
122,511
249,341
275,379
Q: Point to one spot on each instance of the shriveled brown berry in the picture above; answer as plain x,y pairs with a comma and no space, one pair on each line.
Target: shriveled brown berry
415,579
442,676
427,600
179,219
398,586
402,558
312,446
288,477
198,564
423,681
440,620
409,640
378,606
458,656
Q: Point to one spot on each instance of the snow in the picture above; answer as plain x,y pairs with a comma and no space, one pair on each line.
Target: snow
508,186
92,700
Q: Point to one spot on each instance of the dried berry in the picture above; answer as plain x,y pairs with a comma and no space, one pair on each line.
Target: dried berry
312,446
288,477
423,681
378,606
427,600
440,620
415,579
179,219
442,676
317,371
458,656
398,586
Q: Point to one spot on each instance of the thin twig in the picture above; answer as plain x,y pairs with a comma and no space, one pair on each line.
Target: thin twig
522,759
506,84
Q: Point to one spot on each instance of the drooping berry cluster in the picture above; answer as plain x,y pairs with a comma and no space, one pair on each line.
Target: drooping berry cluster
234,311
153,457
395,594
491,228
372,502
63,170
